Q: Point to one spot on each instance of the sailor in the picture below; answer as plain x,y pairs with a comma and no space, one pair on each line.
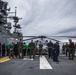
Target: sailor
3,49
56,51
0,49
32,49
71,49
20,48
50,46
11,52
40,48
24,49
27,48
63,49
15,49
8,48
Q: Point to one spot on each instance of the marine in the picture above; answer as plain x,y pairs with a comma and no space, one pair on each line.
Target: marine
71,49
32,49
40,49
20,48
66,49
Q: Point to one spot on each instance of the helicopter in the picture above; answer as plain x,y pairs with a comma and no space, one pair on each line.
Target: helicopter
48,37
45,39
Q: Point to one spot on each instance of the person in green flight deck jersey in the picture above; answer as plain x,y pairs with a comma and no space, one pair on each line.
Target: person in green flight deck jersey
8,48
11,53
25,48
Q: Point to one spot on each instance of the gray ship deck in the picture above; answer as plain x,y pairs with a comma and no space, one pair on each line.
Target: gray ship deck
18,66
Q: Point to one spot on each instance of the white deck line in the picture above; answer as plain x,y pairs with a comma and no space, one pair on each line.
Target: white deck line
44,64
62,55
27,59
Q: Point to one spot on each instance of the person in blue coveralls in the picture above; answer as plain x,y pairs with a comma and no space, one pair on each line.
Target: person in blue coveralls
50,46
56,50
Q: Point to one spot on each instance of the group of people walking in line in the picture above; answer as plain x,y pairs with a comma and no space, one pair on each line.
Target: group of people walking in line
21,49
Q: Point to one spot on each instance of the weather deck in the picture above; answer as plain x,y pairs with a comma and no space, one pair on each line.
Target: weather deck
26,66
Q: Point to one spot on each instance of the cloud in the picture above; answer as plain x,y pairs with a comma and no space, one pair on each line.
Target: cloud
46,17
69,31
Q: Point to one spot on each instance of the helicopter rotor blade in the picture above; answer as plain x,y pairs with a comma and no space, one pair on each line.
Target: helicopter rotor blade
30,39
64,36
53,39
29,36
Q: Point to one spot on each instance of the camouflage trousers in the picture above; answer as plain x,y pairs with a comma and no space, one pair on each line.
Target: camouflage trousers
20,52
71,54
40,52
32,52
11,54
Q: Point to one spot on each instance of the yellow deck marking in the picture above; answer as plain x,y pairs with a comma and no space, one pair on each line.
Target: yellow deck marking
4,59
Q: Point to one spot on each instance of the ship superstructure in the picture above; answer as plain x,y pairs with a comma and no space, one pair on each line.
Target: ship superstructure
5,26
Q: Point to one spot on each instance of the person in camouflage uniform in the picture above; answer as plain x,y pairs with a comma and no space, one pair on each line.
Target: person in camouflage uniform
40,49
71,49
66,48
20,48
32,48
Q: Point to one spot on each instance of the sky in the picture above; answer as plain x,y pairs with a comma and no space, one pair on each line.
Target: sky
46,17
